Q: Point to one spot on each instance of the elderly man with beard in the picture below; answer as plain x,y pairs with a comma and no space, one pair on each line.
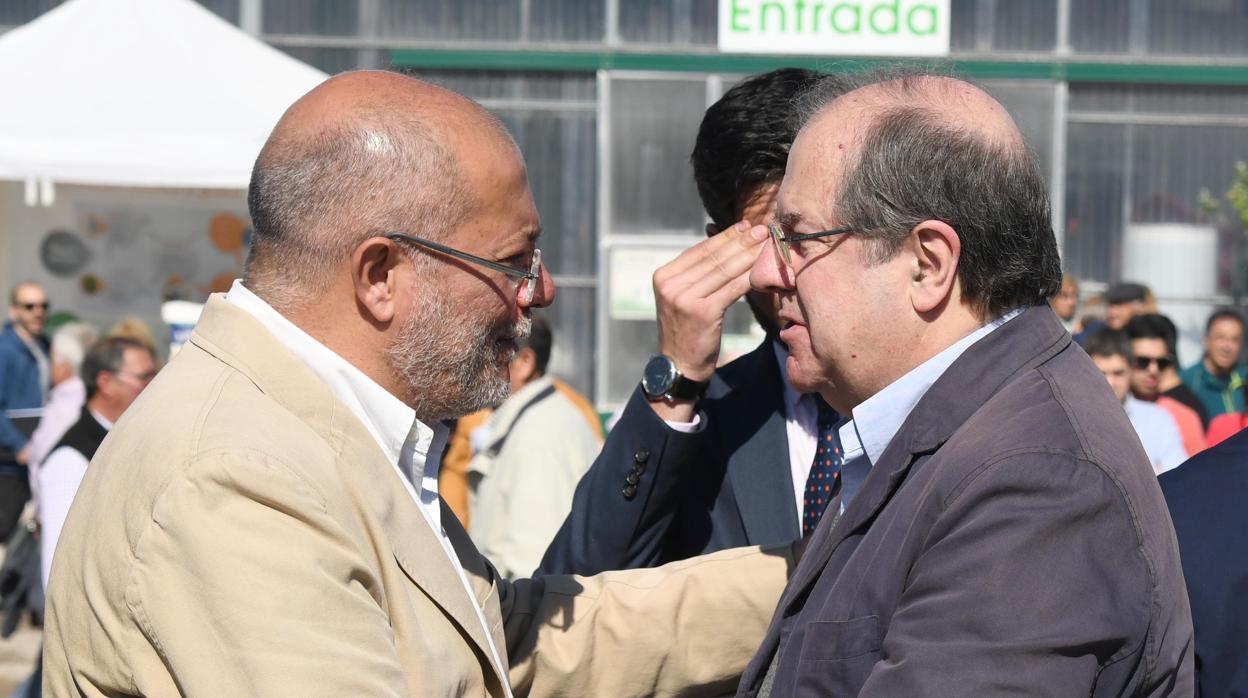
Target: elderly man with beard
265,519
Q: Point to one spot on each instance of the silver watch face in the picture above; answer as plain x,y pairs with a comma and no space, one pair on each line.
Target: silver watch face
658,376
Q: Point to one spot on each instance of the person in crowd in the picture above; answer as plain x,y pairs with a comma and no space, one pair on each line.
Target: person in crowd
68,348
1091,318
1010,537
115,370
1224,426
1159,434
1126,300
1066,303
132,327
1206,496
453,475
728,462
1153,355
528,458
1169,382
25,378
1217,379
265,519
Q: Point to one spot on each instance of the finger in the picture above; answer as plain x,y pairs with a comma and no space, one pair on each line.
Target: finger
730,263
729,293
698,253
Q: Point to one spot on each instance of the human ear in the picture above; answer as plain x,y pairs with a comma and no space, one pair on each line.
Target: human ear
937,248
376,276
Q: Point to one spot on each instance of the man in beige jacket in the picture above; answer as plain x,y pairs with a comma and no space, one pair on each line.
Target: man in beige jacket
265,519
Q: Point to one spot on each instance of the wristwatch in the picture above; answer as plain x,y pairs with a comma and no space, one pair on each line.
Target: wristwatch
661,380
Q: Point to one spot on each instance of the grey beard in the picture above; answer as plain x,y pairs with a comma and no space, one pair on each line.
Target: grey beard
450,366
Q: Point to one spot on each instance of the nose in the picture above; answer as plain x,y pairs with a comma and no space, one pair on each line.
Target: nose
544,295
770,274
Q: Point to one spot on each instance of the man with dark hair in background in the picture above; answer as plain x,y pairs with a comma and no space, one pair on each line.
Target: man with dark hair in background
1010,537
687,474
25,378
115,370
527,459
1153,365
1217,378
1158,432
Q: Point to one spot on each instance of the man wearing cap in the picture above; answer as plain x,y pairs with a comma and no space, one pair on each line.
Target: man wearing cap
1124,301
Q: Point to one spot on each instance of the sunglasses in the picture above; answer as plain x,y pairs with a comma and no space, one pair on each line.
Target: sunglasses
28,307
1143,362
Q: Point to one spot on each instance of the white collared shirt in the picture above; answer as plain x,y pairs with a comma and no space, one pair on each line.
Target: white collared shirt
878,419
412,447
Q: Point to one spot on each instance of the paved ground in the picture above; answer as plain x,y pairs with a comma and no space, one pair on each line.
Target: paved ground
17,653
17,657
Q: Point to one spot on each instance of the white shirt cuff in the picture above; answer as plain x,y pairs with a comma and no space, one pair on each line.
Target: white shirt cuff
692,427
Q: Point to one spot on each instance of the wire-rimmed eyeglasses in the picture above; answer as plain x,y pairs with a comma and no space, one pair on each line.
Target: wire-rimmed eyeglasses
784,241
527,284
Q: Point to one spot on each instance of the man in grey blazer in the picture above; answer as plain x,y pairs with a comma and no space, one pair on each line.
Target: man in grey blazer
1010,538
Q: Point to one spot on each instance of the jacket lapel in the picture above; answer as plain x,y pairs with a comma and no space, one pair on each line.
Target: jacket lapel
962,390
753,434
257,354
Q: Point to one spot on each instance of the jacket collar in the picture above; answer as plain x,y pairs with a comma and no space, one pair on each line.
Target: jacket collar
239,340
1025,342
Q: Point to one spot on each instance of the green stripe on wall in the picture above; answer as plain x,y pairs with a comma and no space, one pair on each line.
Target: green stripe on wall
579,61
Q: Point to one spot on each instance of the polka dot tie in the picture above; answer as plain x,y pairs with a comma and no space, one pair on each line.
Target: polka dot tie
824,481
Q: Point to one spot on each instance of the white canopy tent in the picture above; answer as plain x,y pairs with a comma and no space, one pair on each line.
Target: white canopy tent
138,93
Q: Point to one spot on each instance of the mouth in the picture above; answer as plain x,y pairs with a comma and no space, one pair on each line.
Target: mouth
789,329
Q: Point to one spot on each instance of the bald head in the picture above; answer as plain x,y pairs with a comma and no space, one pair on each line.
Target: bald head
362,154
925,147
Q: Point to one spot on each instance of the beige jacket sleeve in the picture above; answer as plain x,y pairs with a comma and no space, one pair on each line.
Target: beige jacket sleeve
684,629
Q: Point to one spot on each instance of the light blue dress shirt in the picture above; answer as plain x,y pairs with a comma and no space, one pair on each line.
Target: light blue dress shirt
878,418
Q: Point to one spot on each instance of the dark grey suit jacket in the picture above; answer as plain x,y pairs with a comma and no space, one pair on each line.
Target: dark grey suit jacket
1011,540
655,495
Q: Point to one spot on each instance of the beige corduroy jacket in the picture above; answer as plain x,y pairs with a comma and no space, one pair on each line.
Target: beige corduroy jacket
240,533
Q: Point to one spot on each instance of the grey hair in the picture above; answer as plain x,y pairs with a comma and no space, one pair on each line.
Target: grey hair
71,342
917,163
314,199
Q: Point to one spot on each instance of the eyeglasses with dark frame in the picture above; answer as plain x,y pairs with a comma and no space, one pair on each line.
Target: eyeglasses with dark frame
784,241
527,286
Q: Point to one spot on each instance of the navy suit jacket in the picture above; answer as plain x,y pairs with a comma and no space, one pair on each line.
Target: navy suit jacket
1011,539
655,495
1207,495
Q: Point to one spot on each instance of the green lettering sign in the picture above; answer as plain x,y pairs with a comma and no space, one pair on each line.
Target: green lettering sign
736,13
850,11
921,11
763,12
886,11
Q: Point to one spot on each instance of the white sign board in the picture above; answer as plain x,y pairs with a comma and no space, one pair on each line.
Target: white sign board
850,28
631,273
